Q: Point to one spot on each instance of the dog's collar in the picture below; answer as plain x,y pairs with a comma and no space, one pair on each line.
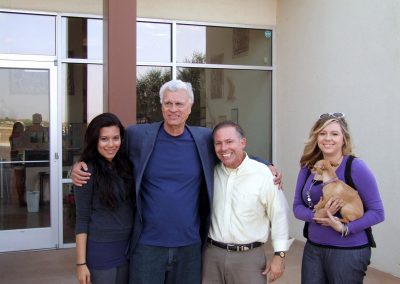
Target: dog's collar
330,181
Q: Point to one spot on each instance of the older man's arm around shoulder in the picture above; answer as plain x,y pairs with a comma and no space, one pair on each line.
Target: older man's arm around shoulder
80,174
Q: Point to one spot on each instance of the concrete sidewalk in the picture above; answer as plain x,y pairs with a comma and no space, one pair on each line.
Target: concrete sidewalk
58,267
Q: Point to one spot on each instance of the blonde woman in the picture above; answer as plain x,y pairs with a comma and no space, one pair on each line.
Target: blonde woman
335,252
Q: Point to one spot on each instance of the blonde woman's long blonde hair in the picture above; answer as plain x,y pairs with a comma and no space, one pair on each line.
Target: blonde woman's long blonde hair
312,153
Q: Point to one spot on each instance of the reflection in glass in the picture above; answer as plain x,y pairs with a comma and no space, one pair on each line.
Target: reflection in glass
191,43
83,86
153,42
27,34
195,76
68,198
83,38
241,95
24,148
149,81
220,45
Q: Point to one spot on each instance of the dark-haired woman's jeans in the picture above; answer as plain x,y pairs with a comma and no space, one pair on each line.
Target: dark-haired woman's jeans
159,265
116,275
323,265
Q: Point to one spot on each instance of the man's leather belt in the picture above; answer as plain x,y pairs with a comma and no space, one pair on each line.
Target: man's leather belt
234,247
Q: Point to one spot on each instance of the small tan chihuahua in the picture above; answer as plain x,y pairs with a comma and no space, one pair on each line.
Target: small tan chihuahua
333,187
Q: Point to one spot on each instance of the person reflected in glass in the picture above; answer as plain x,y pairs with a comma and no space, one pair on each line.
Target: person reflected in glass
336,251
17,146
104,205
37,135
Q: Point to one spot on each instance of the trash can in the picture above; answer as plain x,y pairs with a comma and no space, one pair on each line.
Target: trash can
32,200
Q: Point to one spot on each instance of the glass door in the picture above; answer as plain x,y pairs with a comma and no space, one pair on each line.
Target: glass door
28,157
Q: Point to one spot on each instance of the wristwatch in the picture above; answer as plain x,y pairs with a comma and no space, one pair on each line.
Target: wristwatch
282,254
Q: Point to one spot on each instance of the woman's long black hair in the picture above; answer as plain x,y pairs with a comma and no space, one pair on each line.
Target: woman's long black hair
106,176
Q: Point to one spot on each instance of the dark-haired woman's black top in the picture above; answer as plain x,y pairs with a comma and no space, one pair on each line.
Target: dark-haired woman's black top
99,222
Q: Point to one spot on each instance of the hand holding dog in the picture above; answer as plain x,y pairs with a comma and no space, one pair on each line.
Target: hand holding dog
324,216
331,221
333,206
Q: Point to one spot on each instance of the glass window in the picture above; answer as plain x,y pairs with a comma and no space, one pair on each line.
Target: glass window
153,42
191,43
24,148
24,91
83,87
68,213
244,96
27,34
84,38
220,45
149,81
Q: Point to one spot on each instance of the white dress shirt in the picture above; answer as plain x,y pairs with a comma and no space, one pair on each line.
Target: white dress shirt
246,203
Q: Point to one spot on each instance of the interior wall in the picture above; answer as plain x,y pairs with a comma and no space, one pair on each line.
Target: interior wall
255,12
343,56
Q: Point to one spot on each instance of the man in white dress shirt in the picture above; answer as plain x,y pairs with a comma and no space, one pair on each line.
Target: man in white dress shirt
246,207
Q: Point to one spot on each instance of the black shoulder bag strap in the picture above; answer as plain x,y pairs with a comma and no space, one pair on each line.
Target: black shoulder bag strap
306,224
349,181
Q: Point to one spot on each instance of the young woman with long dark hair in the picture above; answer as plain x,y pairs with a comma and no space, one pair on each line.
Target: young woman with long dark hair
104,205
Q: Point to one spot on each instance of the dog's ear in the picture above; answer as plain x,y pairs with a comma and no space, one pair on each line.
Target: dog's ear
314,169
323,164
334,164
318,167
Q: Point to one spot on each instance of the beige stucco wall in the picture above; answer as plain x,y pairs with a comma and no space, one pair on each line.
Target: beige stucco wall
254,12
251,12
343,56
73,6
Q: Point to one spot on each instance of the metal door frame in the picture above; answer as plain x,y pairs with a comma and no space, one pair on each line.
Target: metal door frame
46,237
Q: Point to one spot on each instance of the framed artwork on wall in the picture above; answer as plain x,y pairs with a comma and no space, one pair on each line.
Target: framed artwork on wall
217,78
240,42
222,118
235,115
